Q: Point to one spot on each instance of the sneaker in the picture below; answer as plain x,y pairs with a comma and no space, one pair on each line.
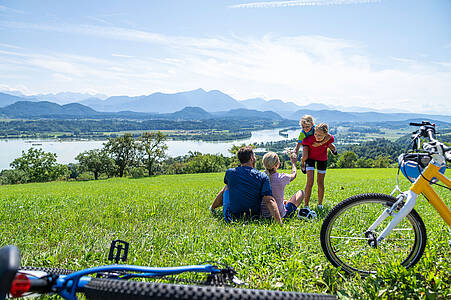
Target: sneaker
212,211
306,214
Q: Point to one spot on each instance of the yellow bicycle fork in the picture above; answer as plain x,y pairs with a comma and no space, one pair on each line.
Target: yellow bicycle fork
422,186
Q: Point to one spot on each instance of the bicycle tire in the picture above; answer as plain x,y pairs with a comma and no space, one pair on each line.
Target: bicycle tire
101,288
53,271
346,224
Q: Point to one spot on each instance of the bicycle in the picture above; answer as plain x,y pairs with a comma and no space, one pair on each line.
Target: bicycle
367,230
113,281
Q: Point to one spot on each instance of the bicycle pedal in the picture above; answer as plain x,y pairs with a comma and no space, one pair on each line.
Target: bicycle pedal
118,251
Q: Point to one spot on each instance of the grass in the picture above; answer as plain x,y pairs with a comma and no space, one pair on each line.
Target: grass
165,219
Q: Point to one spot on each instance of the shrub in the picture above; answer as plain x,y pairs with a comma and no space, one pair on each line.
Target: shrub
13,177
85,176
137,172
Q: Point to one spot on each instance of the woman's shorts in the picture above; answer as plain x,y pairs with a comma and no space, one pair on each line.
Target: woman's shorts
291,209
320,165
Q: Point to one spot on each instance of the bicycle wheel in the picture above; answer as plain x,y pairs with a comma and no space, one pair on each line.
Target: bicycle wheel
53,271
345,245
100,288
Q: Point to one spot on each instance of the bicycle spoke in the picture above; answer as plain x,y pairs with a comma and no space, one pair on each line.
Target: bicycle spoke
348,237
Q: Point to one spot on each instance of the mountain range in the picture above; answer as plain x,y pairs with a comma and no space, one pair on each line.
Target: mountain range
49,110
197,104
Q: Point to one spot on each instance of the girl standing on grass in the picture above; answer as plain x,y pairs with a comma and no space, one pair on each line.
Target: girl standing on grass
278,181
308,129
317,155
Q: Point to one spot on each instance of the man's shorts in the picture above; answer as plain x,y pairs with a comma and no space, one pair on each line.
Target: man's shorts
320,165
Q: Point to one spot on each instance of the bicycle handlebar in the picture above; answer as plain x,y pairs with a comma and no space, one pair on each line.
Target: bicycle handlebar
423,123
427,130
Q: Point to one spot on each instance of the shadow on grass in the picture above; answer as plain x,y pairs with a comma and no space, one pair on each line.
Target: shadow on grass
322,212
218,215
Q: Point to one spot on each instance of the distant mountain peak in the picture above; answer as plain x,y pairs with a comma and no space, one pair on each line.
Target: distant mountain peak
193,109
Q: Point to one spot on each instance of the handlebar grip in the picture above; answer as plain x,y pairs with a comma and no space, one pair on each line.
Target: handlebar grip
423,123
9,263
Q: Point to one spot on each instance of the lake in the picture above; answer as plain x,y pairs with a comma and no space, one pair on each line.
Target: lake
66,151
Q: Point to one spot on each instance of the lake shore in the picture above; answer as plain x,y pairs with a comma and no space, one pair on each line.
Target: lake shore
67,149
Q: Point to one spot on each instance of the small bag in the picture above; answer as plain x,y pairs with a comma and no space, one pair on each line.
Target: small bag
413,164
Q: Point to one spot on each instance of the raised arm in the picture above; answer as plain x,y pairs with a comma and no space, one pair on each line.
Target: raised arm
273,209
296,149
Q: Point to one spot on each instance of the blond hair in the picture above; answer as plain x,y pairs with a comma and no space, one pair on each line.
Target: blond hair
306,119
270,161
323,127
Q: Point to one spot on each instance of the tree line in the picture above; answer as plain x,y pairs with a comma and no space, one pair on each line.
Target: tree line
97,128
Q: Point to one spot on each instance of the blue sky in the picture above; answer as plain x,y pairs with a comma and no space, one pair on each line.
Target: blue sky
373,53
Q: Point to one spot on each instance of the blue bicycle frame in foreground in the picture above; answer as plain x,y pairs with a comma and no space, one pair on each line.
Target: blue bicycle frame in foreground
114,281
68,285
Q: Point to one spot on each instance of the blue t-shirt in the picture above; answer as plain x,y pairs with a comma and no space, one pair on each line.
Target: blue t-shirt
247,186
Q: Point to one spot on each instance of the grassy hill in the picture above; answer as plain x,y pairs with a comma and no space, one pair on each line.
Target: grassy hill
166,220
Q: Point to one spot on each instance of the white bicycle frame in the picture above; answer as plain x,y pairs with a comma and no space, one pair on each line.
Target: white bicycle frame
410,198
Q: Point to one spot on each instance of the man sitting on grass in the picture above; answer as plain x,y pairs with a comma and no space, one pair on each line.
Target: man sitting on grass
245,188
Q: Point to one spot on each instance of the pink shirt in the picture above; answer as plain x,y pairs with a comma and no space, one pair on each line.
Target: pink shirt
278,183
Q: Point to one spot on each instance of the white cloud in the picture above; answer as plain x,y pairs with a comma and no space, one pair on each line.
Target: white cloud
10,46
273,4
121,55
61,77
99,20
5,9
302,69
118,33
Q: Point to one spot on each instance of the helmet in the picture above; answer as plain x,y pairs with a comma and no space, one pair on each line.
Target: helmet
413,164
307,214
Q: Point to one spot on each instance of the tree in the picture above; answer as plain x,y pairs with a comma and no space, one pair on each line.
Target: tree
364,163
95,161
122,150
74,170
372,149
331,160
347,160
13,177
205,163
39,166
152,148
382,161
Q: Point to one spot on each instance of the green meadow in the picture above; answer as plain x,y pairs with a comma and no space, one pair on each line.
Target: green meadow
166,220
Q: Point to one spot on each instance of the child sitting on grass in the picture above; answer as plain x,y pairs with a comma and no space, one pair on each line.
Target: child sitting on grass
278,181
